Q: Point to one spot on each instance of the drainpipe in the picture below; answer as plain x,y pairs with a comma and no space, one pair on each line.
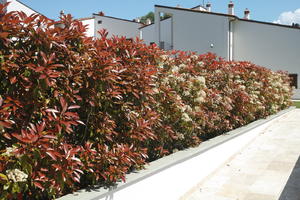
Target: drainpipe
157,26
230,39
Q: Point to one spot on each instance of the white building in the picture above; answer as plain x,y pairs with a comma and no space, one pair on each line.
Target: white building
114,26
16,5
271,45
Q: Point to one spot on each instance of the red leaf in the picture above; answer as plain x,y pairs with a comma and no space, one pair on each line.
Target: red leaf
37,184
51,58
41,127
4,34
39,69
7,136
42,76
50,136
63,104
13,80
32,127
6,124
56,166
44,169
73,107
45,60
51,154
71,114
52,110
80,122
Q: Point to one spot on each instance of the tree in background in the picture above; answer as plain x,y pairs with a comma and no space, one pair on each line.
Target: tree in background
150,16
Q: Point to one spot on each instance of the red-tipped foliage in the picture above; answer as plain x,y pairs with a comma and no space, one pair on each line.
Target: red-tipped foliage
76,111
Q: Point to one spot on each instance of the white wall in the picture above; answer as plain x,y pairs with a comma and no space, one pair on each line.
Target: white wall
18,6
275,47
90,22
118,27
166,33
196,31
148,33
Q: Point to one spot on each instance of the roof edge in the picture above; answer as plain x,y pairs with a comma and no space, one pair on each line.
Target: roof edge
127,20
30,8
227,15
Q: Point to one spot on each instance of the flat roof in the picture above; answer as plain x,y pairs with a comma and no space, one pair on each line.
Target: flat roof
127,20
227,15
30,8
85,18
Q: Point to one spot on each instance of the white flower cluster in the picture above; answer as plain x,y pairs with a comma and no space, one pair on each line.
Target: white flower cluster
189,89
186,117
200,64
200,80
9,151
16,175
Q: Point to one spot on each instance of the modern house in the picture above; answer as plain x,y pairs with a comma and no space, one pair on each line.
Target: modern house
114,26
274,46
16,5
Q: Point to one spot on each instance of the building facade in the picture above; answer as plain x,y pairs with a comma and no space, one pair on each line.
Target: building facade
114,26
271,45
15,5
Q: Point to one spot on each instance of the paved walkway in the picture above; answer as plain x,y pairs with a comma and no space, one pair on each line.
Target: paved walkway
296,94
266,169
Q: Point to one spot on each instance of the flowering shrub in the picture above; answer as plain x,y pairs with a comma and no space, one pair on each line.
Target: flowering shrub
77,111
212,96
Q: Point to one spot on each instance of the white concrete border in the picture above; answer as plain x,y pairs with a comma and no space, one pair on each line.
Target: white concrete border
172,176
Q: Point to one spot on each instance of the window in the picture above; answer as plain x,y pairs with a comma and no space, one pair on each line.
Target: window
294,80
99,21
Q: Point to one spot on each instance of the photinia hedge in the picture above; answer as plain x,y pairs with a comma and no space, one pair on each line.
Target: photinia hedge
77,111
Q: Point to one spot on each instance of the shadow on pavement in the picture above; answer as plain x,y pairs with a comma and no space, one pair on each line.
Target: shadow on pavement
291,190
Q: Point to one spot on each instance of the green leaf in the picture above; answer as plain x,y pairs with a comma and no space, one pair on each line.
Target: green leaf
6,186
16,188
3,178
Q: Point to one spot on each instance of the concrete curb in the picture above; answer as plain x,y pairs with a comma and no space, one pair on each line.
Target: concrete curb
171,161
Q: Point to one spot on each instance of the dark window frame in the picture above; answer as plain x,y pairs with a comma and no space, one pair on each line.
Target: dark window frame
294,80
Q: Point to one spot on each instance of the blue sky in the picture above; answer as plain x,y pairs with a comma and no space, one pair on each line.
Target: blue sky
283,11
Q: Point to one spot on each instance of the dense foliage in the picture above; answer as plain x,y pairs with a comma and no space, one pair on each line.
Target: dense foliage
76,111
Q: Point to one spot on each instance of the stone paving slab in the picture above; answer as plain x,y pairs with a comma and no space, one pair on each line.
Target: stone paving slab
296,94
267,169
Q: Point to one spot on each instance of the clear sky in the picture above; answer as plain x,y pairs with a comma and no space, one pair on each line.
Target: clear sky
284,11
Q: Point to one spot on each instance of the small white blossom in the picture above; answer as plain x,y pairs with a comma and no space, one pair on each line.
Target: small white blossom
200,64
199,100
164,57
181,79
185,117
194,57
16,175
9,151
182,66
253,73
180,136
188,108
201,79
186,93
242,87
197,109
175,69
201,93
155,91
